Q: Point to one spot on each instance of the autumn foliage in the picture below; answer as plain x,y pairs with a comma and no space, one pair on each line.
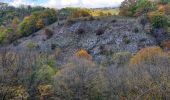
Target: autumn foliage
146,54
83,54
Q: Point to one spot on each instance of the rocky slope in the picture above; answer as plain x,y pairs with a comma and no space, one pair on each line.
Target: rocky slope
101,37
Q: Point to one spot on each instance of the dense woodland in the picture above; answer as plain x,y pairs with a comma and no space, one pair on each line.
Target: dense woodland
34,75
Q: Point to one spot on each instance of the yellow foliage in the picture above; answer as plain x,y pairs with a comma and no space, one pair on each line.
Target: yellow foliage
146,54
45,91
15,23
151,14
14,92
161,8
83,54
40,24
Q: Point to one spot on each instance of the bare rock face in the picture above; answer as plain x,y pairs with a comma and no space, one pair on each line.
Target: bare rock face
101,38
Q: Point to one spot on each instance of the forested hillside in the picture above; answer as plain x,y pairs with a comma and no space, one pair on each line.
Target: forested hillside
86,54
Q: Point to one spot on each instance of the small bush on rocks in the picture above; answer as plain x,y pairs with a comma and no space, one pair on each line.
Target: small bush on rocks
49,33
83,54
80,31
100,31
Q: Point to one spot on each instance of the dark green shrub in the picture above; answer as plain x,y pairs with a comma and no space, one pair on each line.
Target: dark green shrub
80,31
136,30
164,1
158,20
100,31
136,7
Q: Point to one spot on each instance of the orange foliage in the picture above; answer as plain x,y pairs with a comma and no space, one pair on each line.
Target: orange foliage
83,54
146,54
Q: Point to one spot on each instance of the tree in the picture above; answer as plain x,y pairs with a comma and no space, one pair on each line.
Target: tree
79,80
15,23
136,7
27,26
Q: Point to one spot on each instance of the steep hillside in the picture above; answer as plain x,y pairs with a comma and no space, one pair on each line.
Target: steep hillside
101,37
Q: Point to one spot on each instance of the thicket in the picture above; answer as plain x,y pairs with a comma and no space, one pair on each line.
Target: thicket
136,7
37,21
34,75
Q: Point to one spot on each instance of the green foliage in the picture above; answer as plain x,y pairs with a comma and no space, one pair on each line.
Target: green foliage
144,6
136,7
32,23
64,13
164,1
2,34
8,13
158,20
6,35
27,26
45,73
31,45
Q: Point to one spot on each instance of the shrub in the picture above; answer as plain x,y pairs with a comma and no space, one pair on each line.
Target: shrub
80,31
164,1
136,7
49,33
13,92
114,21
2,34
136,30
158,20
144,6
83,54
45,74
31,45
36,21
81,13
91,18
161,8
15,23
146,55
167,9
100,31
165,44
122,58
45,91
80,80
27,26
168,31
69,21
40,24
126,40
